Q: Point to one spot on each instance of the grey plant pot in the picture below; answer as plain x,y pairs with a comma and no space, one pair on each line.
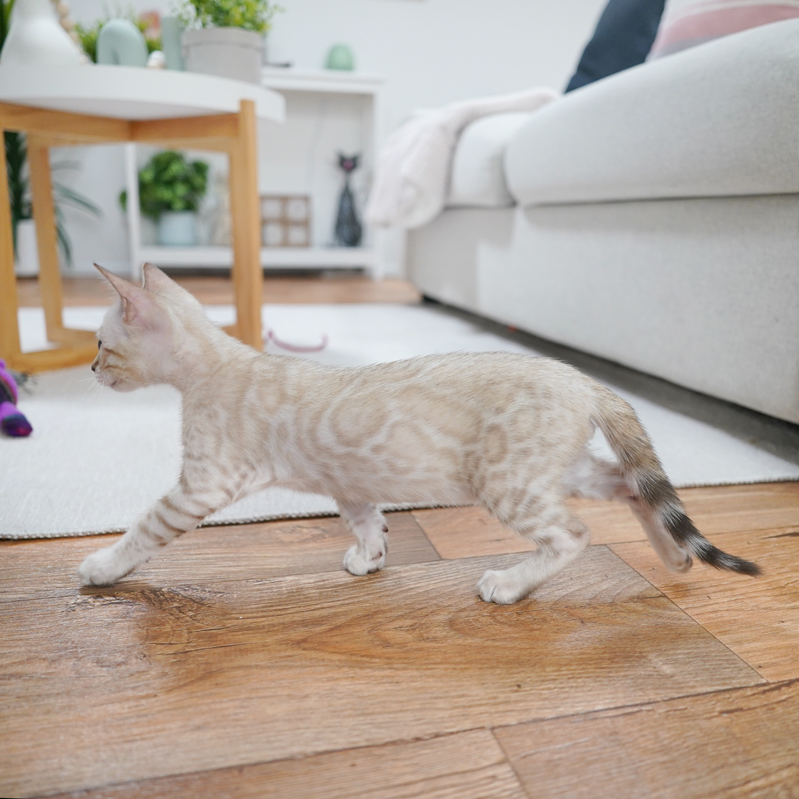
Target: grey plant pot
225,52
177,229
27,260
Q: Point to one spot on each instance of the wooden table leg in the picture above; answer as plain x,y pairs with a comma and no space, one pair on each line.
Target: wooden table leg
246,220
46,240
49,270
81,343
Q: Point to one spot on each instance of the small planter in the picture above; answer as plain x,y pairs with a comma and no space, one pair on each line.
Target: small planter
177,229
27,263
226,52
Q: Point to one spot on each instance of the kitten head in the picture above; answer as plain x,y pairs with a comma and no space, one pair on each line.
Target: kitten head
143,339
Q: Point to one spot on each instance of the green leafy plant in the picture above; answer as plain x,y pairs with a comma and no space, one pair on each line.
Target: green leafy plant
16,152
88,35
20,196
18,188
168,182
5,18
251,15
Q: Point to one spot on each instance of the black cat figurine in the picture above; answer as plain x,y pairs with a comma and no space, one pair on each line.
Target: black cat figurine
348,231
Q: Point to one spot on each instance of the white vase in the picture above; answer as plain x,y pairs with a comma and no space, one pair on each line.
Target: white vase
27,262
226,52
177,229
35,36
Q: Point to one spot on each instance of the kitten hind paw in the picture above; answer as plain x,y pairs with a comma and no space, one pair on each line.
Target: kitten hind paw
355,563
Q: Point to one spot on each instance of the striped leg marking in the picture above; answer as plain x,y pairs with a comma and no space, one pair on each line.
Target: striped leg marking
174,514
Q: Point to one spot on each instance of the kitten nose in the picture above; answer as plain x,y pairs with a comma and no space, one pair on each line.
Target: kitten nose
94,366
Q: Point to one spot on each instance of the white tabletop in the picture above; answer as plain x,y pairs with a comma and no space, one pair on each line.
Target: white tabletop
133,92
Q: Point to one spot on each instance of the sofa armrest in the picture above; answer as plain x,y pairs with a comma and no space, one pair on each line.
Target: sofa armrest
720,119
477,175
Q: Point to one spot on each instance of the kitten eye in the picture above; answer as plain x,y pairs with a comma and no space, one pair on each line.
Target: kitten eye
99,344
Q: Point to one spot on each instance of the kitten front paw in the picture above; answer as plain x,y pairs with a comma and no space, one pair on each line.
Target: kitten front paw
500,587
357,564
104,567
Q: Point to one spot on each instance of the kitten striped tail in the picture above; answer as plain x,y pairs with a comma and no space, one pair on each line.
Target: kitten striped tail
654,500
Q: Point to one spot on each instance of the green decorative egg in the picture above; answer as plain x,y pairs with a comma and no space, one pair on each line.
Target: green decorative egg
340,57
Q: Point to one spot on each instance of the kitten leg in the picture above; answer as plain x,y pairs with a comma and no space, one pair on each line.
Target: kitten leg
174,514
676,557
560,537
369,527
596,478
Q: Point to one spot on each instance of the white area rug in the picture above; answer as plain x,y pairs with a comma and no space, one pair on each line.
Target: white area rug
97,458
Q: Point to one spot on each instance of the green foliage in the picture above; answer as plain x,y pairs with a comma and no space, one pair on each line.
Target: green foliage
88,35
15,150
5,18
18,188
251,15
20,197
169,183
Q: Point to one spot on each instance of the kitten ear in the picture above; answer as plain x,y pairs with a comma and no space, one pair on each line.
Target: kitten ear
137,306
155,279
119,283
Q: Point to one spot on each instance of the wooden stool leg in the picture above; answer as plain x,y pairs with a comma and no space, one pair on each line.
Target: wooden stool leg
83,342
246,218
46,241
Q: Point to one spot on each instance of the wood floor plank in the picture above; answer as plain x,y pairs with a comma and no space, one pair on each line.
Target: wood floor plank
330,287
472,531
468,765
139,681
713,509
268,549
739,744
758,618
731,509
467,532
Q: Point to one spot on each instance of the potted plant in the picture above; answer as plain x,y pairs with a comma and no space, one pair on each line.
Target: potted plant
226,37
170,191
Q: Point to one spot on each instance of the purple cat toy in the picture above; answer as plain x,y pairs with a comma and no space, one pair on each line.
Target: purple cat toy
12,422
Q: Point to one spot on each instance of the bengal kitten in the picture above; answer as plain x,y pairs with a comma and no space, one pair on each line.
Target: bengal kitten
506,431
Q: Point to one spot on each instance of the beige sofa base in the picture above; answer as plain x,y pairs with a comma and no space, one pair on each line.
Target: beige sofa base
701,292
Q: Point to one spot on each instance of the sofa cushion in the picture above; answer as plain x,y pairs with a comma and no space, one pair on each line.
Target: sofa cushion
622,39
716,120
686,23
478,174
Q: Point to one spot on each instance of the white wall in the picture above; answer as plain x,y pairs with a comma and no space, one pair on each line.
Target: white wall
431,52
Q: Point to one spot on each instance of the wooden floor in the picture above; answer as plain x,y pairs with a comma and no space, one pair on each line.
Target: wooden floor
244,662
311,287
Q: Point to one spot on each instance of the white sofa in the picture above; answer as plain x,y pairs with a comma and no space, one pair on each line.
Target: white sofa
651,218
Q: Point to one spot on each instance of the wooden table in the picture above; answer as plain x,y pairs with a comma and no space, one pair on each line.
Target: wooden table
80,105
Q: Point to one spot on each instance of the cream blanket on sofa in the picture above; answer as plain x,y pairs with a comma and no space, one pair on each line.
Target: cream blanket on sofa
413,168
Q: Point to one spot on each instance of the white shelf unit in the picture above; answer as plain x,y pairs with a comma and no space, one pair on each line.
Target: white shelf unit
274,257
290,162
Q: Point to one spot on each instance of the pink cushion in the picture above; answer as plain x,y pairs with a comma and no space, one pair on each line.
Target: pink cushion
686,23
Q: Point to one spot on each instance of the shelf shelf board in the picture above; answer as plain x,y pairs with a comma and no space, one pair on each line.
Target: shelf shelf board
276,257
320,80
